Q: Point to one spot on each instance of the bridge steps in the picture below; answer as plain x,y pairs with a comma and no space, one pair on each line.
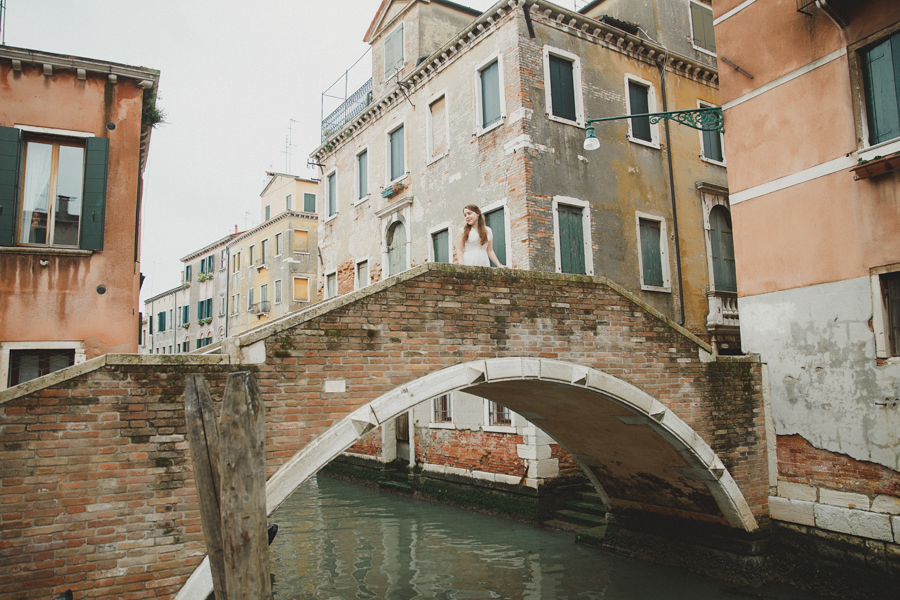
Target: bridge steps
585,512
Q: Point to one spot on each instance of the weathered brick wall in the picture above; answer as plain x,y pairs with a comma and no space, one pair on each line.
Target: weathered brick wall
567,463
801,462
471,450
95,476
369,444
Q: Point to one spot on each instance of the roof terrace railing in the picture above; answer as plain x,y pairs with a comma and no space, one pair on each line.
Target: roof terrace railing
351,107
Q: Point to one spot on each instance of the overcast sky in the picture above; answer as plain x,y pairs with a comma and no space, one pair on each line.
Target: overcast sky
233,77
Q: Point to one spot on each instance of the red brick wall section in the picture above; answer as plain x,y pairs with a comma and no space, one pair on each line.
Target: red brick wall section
369,444
345,277
567,463
95,476
471,450
801,462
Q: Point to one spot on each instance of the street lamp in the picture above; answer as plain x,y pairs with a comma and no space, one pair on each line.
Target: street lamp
704,119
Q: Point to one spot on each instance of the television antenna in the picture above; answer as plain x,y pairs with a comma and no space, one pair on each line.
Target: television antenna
288,145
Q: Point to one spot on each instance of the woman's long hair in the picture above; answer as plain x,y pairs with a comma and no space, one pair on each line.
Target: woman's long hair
482,228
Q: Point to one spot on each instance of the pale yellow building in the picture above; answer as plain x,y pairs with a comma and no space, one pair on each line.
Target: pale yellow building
272,267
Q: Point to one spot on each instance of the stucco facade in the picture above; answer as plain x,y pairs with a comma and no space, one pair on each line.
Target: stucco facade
816,222
528,167
201,313
69,268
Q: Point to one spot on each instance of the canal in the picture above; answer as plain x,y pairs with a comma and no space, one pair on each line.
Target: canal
340,541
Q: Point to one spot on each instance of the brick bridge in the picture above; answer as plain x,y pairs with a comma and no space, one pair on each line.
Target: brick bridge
95,477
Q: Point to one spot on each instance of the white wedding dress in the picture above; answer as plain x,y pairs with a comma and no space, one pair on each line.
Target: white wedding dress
473,252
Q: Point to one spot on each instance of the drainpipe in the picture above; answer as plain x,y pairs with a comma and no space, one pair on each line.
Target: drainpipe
227,282
662,80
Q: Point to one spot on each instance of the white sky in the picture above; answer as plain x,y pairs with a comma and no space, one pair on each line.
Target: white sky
233,75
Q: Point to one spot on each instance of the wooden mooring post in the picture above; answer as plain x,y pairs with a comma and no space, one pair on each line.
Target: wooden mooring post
230,473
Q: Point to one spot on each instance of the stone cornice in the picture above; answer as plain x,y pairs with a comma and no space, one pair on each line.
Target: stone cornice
548,14
76,63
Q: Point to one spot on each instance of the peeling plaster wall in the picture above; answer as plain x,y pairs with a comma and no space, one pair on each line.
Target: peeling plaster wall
825,382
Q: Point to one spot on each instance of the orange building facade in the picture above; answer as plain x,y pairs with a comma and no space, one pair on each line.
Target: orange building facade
74,137
811,98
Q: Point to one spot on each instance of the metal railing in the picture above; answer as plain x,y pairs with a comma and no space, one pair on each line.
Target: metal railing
351,107
260,307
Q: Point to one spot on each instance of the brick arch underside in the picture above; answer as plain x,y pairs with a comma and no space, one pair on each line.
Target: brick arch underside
636,451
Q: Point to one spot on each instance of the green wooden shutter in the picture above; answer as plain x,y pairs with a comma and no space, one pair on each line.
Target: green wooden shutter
571,239
881,73
722,243
398,167
309,203
10,161
396,249
363,174
562,88
495,220
651,255
709,31
712,145
638,98
393,51
890,284
332,196
441,242
93,215
490,94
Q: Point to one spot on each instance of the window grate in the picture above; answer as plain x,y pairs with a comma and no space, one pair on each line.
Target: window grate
806,6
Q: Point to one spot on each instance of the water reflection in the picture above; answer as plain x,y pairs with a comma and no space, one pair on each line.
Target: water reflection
339,541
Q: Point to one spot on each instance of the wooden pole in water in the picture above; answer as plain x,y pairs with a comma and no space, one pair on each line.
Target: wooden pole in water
242,438
203,437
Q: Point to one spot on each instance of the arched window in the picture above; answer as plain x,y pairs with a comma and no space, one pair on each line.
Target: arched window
396,242
722,246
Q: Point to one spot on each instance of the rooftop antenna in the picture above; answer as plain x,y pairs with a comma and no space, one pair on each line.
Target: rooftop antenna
288,145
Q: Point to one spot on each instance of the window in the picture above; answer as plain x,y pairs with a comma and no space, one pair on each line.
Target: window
25,365
362,174
301,240
711,143
572,236
264,250
264,297
171,319
301,289
250,256
396,153
641,99
722,249
437,128
235,304
330,285
47,184
210,264
496,221
499,415
309,203
489,95
268,212
652,253
440,242
161,321
185,314
236,262
362,274
185,346
396,244
886,310
204,309
222,305
881,77
331,193
393,51
250,298
223,259
277,291
277,244
562,72
287,202
187,273
702,28
441,409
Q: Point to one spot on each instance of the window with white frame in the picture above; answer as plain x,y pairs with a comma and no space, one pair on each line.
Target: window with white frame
881,83
251,255
572,240
702,35
28,364
330,285
495,218
277,291
250,296
442,410
437,128
393,51
489,97
362,175
562,86
361,277
309,203
264,296
712,145
301,289
278,244
886,310
498,418
640,98
235,304
331,195
264,251
396,248
268,213
440,245
288,202
396,153
653,255
301,240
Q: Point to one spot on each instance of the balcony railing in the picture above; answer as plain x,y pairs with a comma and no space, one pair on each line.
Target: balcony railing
260,307
723,311
351,107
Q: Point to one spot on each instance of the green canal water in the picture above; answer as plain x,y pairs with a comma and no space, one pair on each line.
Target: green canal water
339,541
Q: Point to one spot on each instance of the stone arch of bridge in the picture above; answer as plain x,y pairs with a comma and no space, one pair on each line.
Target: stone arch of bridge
587,411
